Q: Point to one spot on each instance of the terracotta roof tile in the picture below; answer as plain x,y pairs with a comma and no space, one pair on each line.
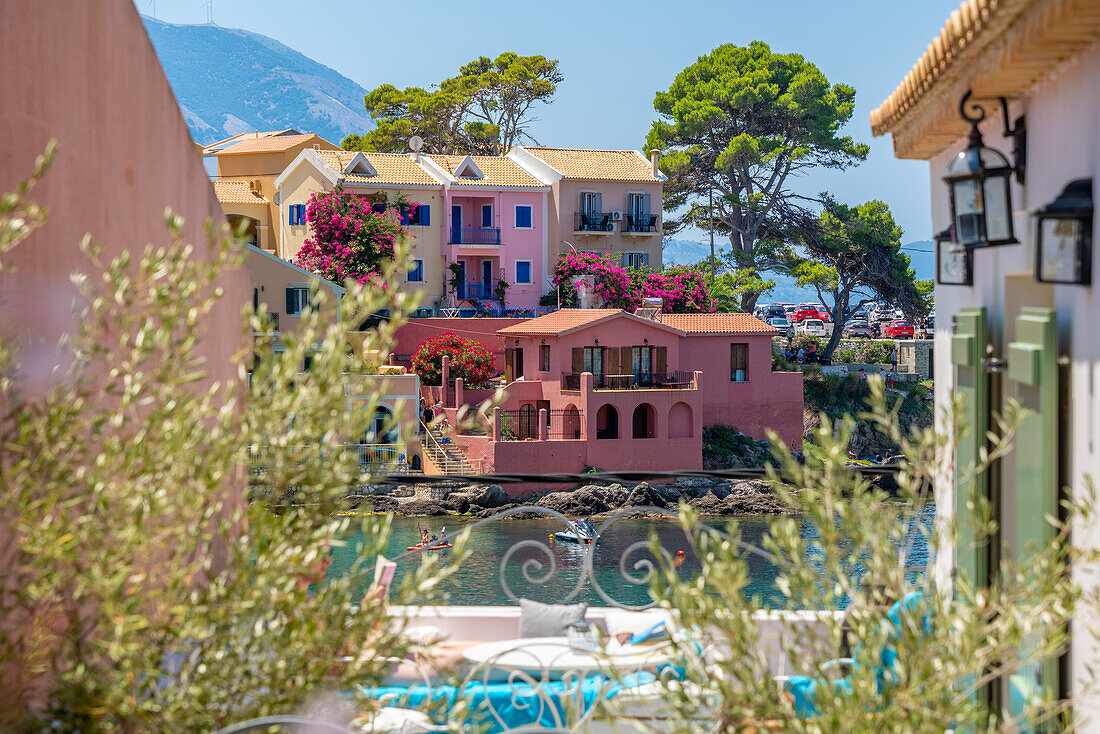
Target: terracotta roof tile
717,323
560,321
394,169
211,148
236,192
498,170
600,165
272,144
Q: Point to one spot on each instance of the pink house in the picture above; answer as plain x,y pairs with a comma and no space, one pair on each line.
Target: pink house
495,229
621,391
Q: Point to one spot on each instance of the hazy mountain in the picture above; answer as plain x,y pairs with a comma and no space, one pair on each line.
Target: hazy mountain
686,252
229,81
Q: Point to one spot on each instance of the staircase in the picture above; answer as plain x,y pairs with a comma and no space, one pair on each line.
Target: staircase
447,457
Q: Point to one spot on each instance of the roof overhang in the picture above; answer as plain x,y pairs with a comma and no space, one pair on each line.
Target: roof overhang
516,329
307,157
996,48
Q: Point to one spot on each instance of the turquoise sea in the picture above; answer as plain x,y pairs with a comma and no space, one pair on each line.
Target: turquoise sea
478,581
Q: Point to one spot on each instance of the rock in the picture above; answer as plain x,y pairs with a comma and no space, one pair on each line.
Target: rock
492,495
459,503
754,497
378,503
645,496
421,507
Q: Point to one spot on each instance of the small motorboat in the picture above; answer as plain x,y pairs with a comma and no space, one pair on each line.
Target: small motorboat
579,531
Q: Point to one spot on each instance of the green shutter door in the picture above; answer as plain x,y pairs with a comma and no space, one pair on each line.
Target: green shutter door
1033,367
972,383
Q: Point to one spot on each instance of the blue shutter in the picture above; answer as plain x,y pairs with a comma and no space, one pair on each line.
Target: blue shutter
425,214
291,301
301,214
599,203
645,256
645,211
292,210
623,260
486,215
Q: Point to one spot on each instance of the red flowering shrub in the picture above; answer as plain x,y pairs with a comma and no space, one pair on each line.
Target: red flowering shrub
470,360
683,290
347,238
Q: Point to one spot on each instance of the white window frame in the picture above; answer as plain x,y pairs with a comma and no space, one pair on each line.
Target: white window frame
531,217
415,260
530,272
303,301
634,255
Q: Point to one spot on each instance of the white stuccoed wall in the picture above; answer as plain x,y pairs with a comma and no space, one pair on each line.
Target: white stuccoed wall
1063,143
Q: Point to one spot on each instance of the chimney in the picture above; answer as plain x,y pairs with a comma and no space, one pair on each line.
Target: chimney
653,156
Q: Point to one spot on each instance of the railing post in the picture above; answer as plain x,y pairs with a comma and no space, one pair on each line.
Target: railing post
496,424
459,389
544,428
446,378
698,379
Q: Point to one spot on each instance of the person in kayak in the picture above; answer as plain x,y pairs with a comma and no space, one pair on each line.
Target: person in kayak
423,534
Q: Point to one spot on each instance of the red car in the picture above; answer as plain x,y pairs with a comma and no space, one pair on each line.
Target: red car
809,312
898,328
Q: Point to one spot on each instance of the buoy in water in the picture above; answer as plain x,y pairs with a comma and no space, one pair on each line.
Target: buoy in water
679,553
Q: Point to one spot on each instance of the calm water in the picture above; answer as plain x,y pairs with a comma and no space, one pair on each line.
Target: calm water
478,582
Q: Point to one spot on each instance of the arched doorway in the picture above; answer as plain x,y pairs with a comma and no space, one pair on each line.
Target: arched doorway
571,422
382,428
251,228
680,423
607,422
644,422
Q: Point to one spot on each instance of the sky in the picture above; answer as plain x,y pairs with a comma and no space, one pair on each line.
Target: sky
615,56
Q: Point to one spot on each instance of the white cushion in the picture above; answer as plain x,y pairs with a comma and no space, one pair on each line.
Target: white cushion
393,720
425,634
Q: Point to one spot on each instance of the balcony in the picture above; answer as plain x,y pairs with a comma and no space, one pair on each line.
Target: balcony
593,222
475,235
639,225
476,291
678,380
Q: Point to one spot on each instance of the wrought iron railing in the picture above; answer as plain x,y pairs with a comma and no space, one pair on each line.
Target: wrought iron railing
476,290
676,380
592,222
632,223
475,235
523,424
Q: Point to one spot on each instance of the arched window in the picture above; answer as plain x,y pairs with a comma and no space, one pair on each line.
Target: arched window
645,421
607,422
680,421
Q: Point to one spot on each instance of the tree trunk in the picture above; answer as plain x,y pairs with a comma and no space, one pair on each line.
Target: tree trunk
840,318
749,299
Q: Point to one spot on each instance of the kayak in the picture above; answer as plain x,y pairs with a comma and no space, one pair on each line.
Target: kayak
418,546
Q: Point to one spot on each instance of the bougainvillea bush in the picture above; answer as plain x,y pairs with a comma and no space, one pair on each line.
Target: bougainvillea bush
683,290
348,239
470,360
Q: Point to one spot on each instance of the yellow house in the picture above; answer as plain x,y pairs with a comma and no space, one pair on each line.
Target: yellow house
379,176
247,167
284,290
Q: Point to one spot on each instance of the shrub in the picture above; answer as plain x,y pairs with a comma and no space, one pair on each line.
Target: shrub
470,360
348,239
682,289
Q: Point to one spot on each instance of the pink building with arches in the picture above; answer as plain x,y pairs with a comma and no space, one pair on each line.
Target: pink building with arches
632,391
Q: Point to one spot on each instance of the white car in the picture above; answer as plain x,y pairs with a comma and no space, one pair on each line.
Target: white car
810,327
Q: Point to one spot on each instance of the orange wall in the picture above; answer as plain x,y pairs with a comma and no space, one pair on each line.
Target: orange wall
86,74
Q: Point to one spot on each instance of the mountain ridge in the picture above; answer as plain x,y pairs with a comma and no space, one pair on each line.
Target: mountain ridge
228,81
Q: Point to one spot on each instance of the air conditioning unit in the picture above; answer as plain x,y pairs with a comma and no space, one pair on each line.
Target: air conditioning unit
616,216
254,184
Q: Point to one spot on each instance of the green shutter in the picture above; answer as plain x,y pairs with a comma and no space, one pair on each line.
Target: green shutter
1033,366
968,342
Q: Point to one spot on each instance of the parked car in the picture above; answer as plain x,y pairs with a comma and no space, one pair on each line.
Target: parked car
775,311
803,312
810,327
930,325
898,329
858,327
783,325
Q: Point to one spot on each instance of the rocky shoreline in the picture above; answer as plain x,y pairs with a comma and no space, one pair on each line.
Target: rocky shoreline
707,496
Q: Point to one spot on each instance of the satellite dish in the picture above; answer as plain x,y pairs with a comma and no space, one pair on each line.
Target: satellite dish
415,143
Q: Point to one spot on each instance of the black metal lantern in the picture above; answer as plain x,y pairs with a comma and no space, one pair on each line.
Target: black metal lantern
978,181
954,264
1063,250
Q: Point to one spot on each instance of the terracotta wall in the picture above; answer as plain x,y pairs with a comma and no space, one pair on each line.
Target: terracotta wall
86,74
483,331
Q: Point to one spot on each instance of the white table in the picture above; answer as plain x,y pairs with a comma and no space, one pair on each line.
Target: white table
549,658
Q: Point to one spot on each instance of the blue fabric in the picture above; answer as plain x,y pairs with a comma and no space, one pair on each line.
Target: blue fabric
804,689
517,705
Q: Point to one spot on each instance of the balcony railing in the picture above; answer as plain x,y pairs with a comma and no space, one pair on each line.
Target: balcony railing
475,235
523,424
592,222
637,224
677,380
476,290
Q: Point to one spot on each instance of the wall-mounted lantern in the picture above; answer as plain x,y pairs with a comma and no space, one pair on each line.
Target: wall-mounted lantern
1063,250
954,264
978,184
